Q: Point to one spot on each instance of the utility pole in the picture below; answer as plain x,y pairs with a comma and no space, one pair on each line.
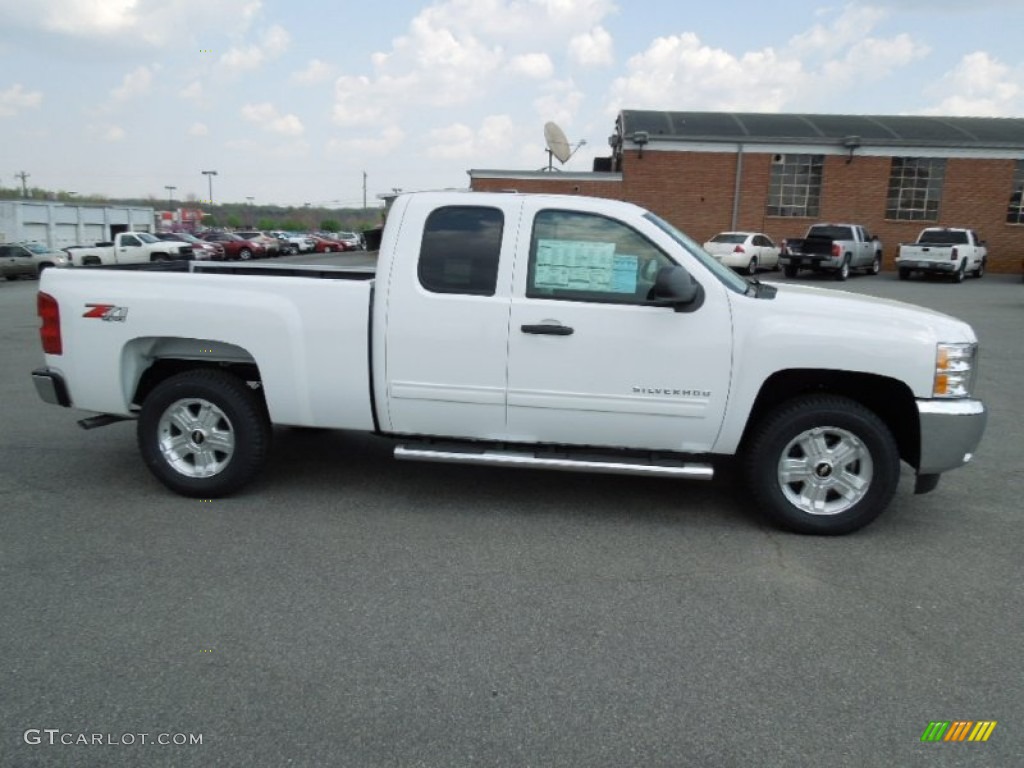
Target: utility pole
364,190
24,187
252,222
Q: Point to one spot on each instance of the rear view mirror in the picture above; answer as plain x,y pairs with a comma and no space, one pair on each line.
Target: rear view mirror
674,287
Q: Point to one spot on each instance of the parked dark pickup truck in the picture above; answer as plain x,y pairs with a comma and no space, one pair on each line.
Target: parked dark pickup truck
836,248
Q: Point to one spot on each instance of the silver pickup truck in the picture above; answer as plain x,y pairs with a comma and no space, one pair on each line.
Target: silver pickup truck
836,248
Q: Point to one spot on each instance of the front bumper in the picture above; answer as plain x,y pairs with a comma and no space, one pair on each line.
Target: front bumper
51,387
950,433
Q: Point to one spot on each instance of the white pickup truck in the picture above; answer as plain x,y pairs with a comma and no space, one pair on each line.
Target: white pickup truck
517,330
129,248
941,250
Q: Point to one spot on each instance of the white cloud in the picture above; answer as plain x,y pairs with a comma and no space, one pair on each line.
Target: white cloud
135,83
592,49
192,92
382,142
272,43
316,71
114,133
16,98
681,72
106,132
980,86
198,129
455,52
560,102
128,23
266,115
460,142
533,65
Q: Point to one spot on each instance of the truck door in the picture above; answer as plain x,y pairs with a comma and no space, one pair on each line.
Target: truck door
447,319
128,246
591,362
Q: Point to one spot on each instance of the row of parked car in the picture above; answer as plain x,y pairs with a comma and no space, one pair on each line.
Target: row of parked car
842,248
254,244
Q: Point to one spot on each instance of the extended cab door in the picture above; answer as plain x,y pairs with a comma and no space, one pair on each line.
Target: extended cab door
591,361
446,316
128,248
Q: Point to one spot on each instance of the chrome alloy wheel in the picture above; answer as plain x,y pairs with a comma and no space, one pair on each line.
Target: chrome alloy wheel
196,437
825,471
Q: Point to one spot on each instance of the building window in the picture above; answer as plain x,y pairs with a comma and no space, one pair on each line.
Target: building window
915,188
795,187
460,249
1015,210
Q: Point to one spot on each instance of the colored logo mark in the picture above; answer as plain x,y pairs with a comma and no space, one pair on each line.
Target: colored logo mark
958,730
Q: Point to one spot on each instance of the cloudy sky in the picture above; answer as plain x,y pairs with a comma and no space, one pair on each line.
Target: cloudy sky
291,101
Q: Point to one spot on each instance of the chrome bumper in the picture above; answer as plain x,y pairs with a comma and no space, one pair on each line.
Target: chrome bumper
51,387
950,433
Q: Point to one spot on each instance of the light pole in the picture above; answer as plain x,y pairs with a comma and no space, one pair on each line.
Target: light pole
209,176
251,222
170,195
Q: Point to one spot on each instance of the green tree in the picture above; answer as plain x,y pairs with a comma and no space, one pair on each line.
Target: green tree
330,225
291,225
209,220
266,224
234,221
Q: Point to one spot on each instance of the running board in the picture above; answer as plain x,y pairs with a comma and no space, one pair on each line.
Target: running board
523,459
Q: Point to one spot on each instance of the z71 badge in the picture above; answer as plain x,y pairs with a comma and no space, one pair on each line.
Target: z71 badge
107,312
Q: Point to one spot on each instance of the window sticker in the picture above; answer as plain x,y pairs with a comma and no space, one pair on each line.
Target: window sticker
580,265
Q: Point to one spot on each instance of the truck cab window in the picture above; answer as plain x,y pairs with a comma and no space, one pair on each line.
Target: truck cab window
126,241
587,257
460,249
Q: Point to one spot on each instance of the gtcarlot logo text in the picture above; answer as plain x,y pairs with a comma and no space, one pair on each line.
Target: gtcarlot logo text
55,736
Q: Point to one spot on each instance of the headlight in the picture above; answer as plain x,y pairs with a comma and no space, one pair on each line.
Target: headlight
956,366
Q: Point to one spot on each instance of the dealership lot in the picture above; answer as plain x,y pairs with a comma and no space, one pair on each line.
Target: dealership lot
353,610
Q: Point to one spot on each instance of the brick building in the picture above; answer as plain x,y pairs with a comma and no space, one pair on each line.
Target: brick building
712,171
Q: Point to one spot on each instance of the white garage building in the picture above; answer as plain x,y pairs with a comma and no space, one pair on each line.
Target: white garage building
60,225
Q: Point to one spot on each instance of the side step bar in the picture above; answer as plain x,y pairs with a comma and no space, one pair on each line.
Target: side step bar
524,459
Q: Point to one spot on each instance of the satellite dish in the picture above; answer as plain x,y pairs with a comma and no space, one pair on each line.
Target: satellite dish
558,145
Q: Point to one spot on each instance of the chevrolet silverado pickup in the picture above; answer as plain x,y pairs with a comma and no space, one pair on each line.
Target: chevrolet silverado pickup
129,248
554,332
953,252
835,248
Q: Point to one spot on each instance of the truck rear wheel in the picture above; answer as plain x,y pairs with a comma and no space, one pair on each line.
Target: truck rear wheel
876,265
844,269
203,433
958,276
823,464
789,271
904,273
980,271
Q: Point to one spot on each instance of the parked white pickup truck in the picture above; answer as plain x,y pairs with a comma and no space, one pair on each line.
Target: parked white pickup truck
523,331
129,248
942,250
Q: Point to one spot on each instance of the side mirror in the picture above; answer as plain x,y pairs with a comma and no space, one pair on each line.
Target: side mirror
674,287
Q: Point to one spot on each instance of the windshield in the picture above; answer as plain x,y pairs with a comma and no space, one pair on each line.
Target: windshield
37,247
146,237
726,276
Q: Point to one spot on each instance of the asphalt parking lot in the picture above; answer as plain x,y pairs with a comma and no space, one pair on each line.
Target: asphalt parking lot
351,610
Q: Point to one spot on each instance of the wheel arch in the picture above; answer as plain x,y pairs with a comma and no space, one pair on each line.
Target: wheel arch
146,362
890,399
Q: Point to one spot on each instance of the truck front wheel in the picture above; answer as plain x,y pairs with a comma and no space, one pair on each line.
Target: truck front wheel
203,433
823,464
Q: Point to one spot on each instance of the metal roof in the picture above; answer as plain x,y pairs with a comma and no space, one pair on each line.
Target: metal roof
889,130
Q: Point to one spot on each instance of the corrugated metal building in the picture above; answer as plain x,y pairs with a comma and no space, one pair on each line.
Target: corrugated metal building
712,171
60,225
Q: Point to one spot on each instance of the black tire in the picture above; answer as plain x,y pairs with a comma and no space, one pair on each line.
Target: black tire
222,412
843,273
789,271
752,266
980,271
904,273
876,265
159,257
958,276
245,254
832,423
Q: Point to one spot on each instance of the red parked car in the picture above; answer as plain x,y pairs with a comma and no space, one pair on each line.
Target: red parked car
323,245
236,247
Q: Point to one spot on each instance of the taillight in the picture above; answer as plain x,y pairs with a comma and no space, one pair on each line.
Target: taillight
738,249
837,250
49,332
953,254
